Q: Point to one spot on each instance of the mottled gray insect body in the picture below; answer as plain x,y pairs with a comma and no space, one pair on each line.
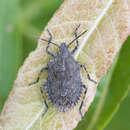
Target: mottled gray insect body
63,80
63,86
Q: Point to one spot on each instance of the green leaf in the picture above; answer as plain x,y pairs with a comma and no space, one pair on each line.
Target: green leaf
122,117
10,46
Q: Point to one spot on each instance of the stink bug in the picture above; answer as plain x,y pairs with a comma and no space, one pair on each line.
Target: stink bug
63,85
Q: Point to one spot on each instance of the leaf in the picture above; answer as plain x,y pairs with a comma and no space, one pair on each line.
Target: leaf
104,93
108,26
34,17
111,92
118,90
121,117
10,46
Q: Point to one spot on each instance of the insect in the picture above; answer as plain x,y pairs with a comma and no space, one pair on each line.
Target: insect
63,85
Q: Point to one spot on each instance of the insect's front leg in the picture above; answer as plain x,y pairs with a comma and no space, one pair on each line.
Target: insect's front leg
77,42
37,80
41,90
83,66
81,105
49,42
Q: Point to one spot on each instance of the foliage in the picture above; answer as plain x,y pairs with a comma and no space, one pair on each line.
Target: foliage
27,19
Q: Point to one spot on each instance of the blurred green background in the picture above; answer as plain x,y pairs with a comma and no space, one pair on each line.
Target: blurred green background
20,21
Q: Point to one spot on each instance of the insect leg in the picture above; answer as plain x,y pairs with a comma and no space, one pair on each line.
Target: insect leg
81,105
83,66
37,80
49,42
44,99
77,42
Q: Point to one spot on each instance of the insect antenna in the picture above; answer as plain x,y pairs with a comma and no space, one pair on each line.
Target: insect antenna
77,38
50,42
47,41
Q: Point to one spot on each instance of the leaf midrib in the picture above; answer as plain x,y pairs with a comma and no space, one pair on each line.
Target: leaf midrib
94,26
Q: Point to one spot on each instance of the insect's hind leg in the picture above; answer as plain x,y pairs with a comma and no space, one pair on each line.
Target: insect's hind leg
44,99
77,42
49,42
37,80
81,105
83,66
